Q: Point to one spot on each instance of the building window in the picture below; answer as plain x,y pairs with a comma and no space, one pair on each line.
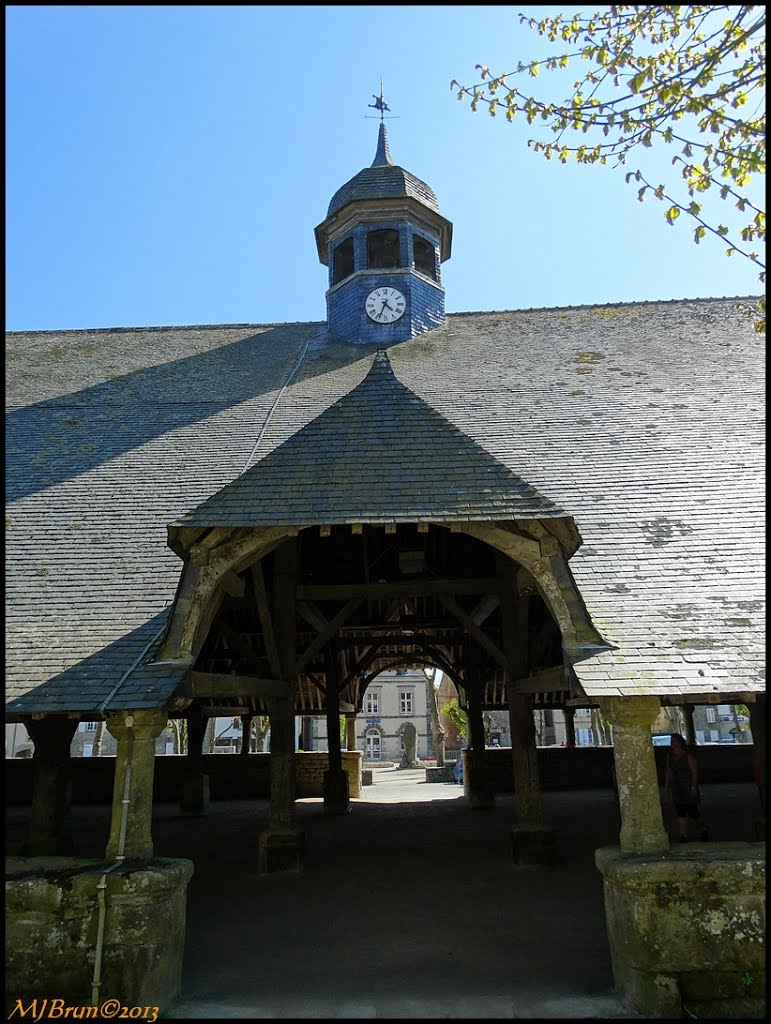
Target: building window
88,726
372,706
711,714
383,250
372,745
425,256
343,261
584,737
405,702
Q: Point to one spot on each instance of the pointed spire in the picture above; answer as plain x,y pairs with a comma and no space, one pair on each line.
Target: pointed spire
383,153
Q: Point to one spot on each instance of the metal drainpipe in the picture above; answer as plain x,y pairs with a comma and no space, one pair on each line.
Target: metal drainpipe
101,888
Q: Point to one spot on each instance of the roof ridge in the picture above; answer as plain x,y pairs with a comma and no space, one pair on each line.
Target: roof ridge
310,323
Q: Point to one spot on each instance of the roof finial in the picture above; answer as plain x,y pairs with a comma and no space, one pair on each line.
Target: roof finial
382,154
379,104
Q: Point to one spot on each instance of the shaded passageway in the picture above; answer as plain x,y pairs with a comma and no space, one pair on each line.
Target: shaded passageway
409,906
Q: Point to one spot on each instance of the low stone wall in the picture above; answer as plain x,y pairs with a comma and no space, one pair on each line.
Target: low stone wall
686,929
232,777
311,766
52,916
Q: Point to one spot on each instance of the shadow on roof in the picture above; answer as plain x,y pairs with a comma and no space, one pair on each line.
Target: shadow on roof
63,437
86,685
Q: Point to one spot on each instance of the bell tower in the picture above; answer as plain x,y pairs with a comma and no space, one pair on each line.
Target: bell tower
384,241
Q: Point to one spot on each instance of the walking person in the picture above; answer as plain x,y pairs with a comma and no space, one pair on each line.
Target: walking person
682,780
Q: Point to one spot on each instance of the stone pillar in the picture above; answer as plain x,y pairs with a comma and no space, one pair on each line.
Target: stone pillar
350,731
280,846
194,788
476,780
757,712
246,735
642,827
532,841
282,774
132,797
570,726
52,737
688,730
336,792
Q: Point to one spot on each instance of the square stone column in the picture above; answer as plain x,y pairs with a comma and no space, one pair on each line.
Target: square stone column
194,785
280,846
52,737
642,826
132,798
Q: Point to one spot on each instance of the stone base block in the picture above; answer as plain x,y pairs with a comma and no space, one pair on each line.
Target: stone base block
52,921
336,799
441,773
686,929
533,844
194,794
280,851
366,776
481,797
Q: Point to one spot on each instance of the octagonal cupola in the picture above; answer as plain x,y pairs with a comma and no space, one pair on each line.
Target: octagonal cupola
384,240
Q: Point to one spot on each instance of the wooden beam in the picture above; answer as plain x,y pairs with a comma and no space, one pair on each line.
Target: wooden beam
220,684
266,621
390,527
484,608
376,591
356,528
232,584
236,641
325,531
325,635
312,614
550,680
479,635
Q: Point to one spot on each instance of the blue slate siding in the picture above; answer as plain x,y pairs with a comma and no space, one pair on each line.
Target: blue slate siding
345,302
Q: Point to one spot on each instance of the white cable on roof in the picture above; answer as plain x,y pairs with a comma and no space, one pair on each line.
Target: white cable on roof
280,395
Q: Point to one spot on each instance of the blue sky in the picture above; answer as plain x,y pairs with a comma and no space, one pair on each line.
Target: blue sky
167,165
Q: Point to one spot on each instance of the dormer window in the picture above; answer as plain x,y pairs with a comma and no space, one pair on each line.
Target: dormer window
343,265
383,251
425,256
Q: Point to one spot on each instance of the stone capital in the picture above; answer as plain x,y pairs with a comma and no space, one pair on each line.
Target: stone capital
146,723
631,711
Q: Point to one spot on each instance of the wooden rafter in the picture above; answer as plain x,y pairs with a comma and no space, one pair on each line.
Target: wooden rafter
326,634
479,635
221,684
266,621
375,591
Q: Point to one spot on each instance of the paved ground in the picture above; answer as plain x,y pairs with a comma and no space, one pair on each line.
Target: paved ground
408,907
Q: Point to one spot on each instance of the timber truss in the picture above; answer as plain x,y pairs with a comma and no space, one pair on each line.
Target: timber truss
315,614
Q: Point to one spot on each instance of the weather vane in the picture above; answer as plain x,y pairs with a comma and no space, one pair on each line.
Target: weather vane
379,104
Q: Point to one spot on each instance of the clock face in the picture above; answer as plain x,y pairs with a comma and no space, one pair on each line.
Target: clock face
385,305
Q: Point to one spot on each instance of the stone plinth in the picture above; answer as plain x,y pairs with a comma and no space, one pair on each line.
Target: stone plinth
533,845
280,850
336,796
52,918
686,929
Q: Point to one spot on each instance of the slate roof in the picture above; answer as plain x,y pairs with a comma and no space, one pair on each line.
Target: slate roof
643,421
378,455
383,180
